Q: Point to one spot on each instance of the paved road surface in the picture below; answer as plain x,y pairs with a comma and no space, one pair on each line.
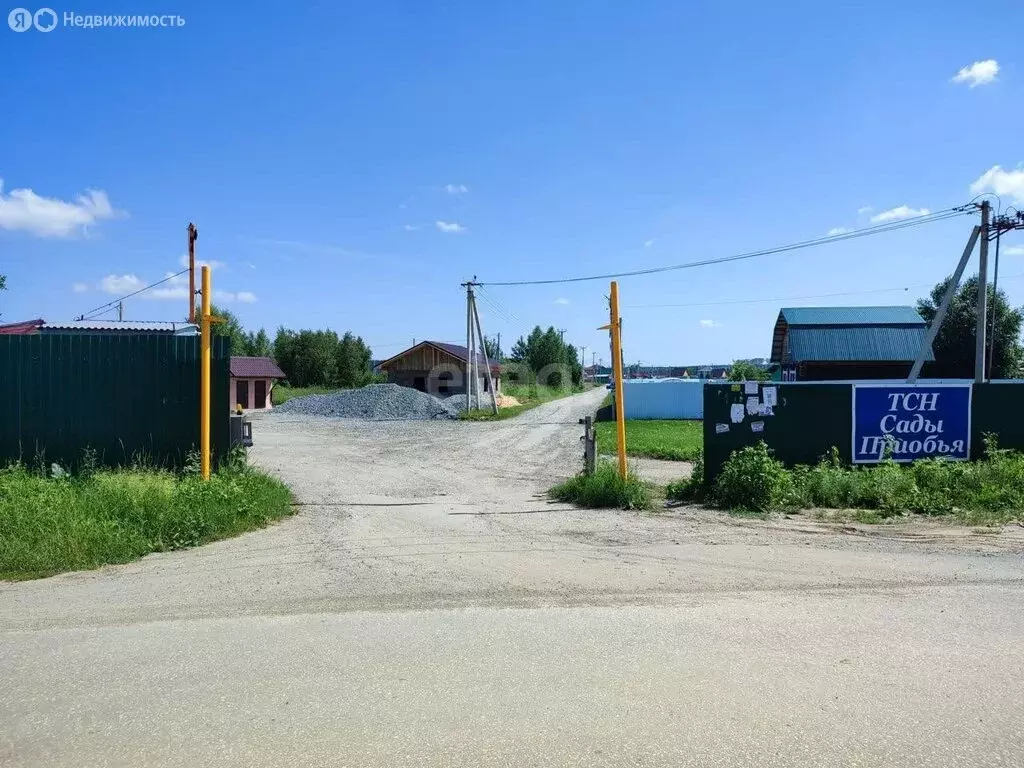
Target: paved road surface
428,606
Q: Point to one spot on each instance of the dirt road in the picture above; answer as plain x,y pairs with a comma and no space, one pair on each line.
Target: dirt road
374,627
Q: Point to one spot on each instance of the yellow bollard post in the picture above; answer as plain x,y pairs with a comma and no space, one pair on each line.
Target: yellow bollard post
620,390
204,378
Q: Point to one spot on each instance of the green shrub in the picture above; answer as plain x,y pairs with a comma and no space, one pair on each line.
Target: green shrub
605,488
50,524
691,488
752,479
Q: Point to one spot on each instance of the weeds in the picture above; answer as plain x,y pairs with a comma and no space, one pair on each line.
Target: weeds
98,517
604,488
980,492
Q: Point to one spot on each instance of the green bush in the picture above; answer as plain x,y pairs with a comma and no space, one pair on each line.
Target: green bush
752,479
605,488
54,524
986,491
691,488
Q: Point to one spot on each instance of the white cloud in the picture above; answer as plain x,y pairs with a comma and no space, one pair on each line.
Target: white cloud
26,211
80,288
456,189
409,227
451,227
648,243
175,293
837,231
214,265
901,212
561,301
230,297
865,209
120,284
1015,250
709,324
250,265
978,73
1008,183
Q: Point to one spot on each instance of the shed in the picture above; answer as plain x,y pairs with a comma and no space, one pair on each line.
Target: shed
847,343
438,368
252,382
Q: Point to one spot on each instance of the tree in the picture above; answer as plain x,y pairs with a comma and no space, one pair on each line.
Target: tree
491,347
232,328
259,344
744,370
954,343
546,355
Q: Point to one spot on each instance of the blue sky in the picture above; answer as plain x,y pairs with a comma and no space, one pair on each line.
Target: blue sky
348,165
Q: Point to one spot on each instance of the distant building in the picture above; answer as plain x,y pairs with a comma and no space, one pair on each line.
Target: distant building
840,343
252,382
437,368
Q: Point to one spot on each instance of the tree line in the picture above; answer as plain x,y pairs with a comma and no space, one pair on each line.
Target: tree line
307,358
543,357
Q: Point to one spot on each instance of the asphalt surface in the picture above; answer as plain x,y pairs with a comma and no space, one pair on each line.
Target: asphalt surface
427,606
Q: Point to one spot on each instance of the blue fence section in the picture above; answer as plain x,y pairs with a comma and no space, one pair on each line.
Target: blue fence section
664,398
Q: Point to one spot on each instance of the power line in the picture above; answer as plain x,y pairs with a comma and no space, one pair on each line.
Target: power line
877,229
795,298
110,304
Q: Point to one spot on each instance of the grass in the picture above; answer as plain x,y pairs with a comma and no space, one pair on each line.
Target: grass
49,525
604,489
985,492
676,440
528,395
281,394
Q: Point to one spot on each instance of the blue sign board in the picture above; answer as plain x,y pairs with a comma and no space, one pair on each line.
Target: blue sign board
911,422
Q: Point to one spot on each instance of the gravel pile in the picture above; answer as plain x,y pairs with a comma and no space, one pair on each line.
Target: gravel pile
478,402
376,401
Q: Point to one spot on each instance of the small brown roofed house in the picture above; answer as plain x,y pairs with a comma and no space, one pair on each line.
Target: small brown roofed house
438,368
252,381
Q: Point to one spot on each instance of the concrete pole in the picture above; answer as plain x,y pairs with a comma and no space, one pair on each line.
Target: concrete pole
940,313
487,362
193,233
982,319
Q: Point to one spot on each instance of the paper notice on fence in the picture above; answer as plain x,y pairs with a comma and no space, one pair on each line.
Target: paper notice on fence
753,404
757,426
768,396
736,413
720,428
765,410
750,388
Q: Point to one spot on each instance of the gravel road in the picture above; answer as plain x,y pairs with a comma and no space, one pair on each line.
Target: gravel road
428,606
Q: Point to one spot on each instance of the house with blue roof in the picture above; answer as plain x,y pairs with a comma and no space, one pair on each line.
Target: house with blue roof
844,343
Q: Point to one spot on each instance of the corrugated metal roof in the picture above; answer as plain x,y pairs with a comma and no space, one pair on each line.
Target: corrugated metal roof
122,325
871,343
852,316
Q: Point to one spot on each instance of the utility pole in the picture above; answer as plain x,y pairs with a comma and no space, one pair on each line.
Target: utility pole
499,346
193,235
120,311
487,363
982,306
1000,224
583,357
561,334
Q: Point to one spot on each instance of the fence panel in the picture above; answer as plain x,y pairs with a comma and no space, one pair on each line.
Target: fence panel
664,399
124,396
809,419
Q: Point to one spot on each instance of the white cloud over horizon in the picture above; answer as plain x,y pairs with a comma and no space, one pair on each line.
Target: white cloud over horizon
562,301
1003,183
175,288
25,211
709,324
865,209
900,212
451,227
978,73
836,231
456,189
212,264
80,287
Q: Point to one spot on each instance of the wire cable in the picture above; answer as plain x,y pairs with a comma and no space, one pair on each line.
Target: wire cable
104,307
877,229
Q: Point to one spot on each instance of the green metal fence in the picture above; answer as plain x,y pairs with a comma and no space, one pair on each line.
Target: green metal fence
122,396
809,419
